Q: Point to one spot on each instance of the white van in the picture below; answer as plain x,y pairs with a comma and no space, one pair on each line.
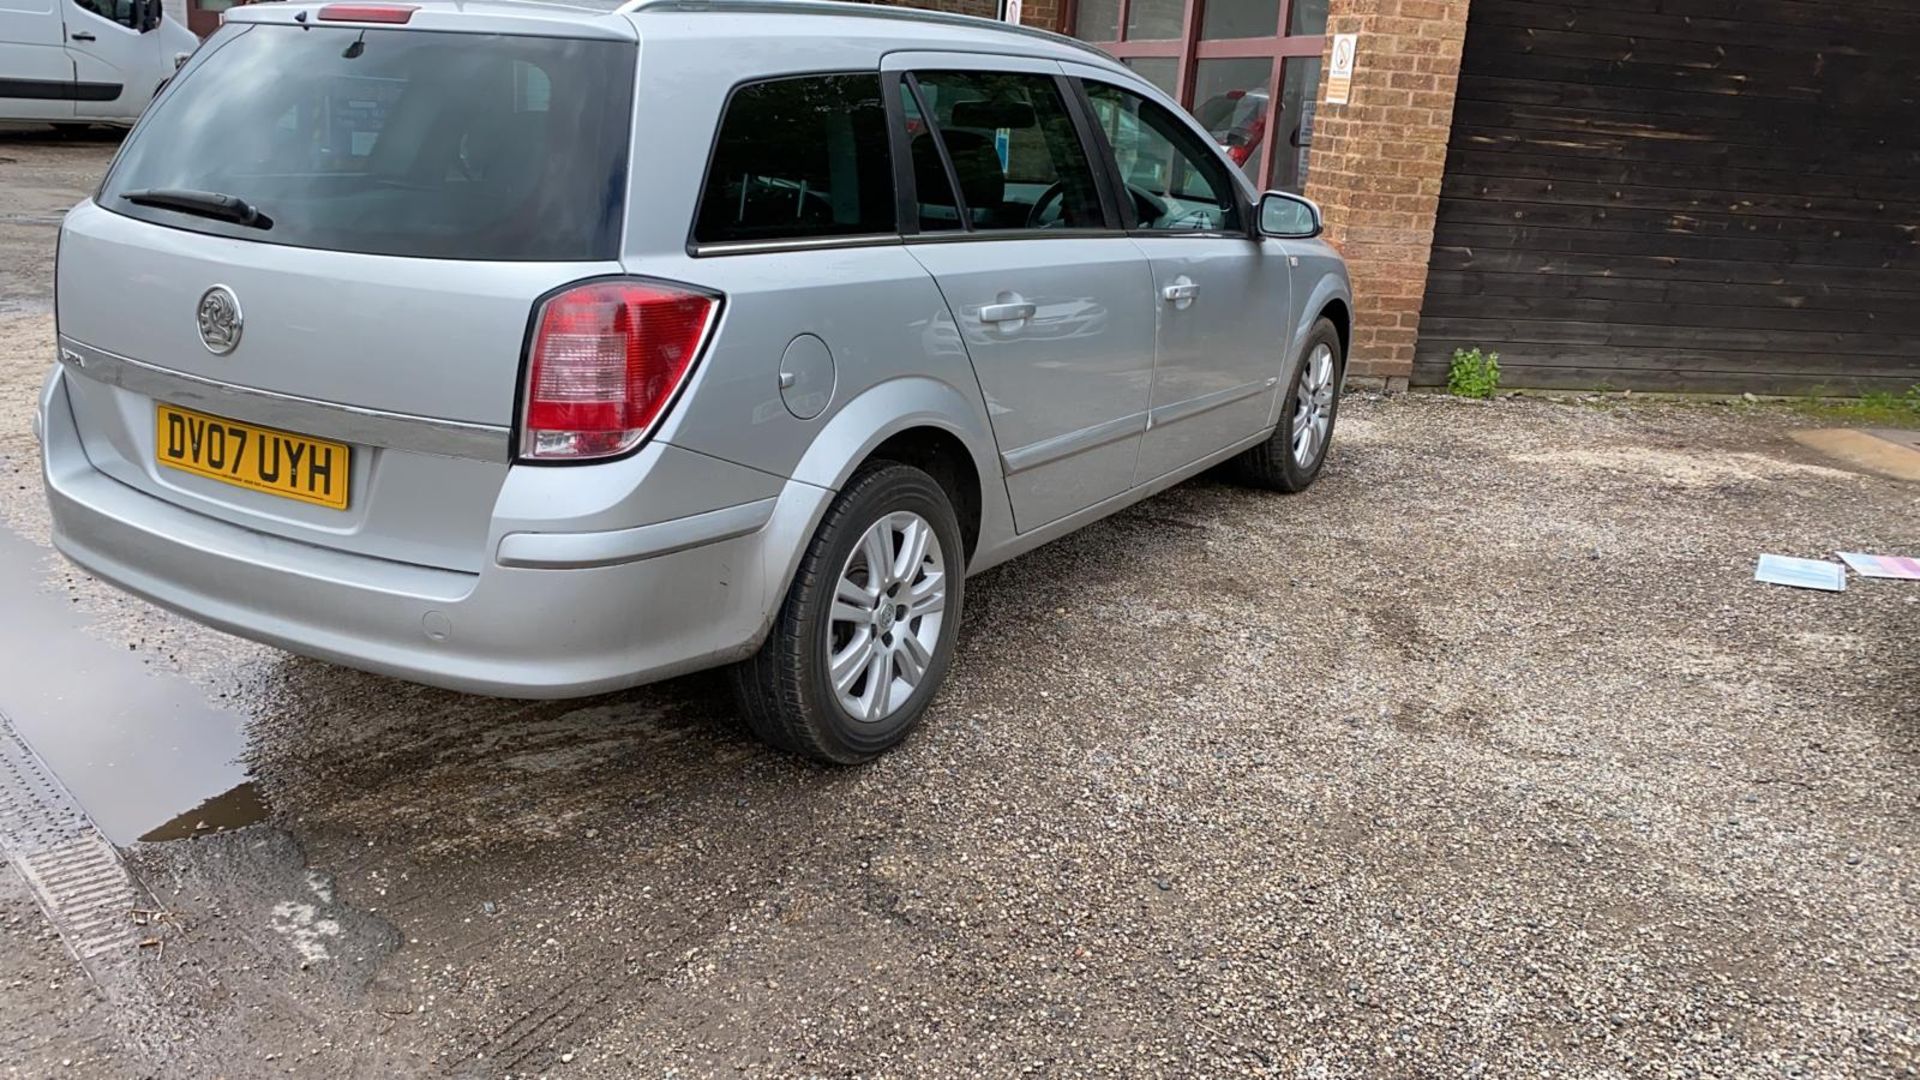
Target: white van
86,61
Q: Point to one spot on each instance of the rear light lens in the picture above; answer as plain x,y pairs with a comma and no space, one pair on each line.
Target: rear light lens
373,13
607,359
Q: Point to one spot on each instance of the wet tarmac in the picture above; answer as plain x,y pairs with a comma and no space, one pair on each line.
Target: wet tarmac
145,752
44,175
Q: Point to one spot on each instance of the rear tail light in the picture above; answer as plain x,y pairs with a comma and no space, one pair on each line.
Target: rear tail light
607,359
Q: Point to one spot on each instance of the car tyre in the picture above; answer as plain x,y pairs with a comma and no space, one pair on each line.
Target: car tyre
1282,463
810,689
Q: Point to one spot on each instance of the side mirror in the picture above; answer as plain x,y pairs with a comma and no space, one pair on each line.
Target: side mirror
1289,217
150,15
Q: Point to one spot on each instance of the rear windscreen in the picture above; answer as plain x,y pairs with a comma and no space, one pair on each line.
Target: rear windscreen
395,142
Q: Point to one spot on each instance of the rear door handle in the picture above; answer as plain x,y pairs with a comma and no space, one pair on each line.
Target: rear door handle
83,36
999,313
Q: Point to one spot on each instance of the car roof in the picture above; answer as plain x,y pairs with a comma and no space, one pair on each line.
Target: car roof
539,19
759,19
955,24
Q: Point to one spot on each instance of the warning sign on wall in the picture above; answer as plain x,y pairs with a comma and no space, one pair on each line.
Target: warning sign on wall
1340,70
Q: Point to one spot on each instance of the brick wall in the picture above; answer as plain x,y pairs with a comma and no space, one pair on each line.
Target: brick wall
1045,14
1377,163
983,8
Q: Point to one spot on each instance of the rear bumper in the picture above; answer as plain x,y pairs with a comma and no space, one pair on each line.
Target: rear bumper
580,613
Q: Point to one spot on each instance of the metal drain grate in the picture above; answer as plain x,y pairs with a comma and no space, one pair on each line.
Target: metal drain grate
74,871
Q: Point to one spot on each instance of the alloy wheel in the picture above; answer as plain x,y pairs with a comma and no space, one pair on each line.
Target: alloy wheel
1313,407
884,625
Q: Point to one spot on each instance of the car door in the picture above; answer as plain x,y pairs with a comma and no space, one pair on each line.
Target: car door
1054,303
1221,295
116,64
36,75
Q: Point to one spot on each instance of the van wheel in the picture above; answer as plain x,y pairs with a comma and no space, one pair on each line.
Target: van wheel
1291,459
866,633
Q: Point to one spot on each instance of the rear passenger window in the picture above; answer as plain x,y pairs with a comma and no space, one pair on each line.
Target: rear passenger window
938,211
797,159
1014,148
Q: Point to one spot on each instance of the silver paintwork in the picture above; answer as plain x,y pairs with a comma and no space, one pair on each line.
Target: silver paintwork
506,630
570,551
1074,383
347,423
518,17
421,337
888,606
835,8
1215,374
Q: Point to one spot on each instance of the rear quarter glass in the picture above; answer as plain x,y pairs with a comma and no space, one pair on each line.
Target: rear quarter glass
396,142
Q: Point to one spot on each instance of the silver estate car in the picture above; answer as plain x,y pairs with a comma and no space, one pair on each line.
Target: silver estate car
538,350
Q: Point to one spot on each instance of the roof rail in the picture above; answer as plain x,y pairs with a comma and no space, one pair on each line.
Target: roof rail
865,10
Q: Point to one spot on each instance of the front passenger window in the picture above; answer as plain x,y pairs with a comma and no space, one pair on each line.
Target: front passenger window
1174,183
1014,148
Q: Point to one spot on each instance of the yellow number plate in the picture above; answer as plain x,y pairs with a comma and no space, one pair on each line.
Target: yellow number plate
291,466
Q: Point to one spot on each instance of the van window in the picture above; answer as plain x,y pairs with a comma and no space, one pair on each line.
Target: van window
131,14
798,159
1014,148
395,142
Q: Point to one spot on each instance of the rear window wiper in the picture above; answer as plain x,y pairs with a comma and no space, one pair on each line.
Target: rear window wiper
210,204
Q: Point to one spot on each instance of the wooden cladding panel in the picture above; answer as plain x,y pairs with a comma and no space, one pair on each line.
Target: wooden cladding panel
1710,195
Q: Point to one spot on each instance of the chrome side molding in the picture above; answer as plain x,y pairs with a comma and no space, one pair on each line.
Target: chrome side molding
290,412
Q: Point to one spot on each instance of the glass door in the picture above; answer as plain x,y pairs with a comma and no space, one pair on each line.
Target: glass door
1248,70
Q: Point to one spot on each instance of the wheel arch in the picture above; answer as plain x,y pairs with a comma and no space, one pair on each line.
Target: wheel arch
917,421
1329,300
1336,311
940,454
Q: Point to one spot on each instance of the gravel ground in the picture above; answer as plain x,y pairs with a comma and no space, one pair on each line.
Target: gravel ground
42,176
1484,757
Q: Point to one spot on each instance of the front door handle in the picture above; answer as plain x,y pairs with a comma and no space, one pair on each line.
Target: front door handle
82,36
1003,313
1181,292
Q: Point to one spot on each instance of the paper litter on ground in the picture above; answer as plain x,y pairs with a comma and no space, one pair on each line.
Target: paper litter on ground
1801,573
1883,566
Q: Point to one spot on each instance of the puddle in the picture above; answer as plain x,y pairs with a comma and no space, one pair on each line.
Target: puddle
1686,468
227,810
1887,452
145,753
1897,436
